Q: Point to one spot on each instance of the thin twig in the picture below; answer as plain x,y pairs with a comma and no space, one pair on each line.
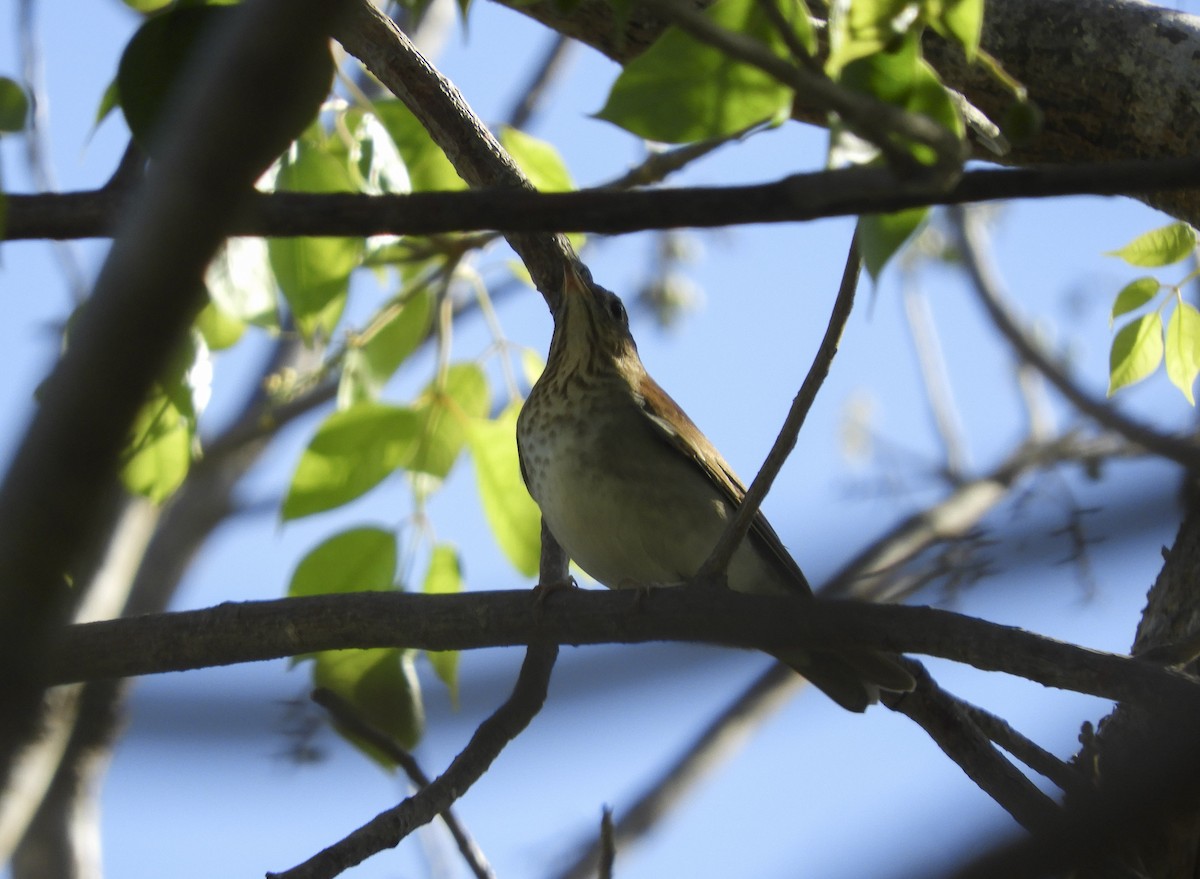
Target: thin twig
724,733
1022,747
387,829
547,71
934,377
987,287
608,846
735,531
875,120
344,715
941,716
867,574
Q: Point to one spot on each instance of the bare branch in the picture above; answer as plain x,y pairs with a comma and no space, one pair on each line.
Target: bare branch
723,734
49,501
987,288
388,828
940,715
344,715
799,197
231,633
737,527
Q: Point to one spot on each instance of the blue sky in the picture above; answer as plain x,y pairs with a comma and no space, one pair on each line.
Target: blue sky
198,786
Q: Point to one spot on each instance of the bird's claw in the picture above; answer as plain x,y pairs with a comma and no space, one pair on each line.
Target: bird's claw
542,591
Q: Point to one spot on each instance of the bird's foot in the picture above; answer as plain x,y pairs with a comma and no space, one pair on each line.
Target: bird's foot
542,591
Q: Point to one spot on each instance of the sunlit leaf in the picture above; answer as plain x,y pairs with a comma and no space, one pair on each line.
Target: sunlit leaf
428,167
1133,296
681,90
511,513
901,77
1137,350
240,282
445,413
961,20
866,27
314,273
357,560
881,235
1183,348
381,686
159,453
444,577
219,329
352,452
538,159
389,340
1159,247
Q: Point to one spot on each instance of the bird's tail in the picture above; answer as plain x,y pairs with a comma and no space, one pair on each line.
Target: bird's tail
851,678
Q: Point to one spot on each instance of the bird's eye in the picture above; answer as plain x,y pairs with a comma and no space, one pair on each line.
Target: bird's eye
617,310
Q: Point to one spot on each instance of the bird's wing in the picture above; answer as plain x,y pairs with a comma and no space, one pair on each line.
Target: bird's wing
673,425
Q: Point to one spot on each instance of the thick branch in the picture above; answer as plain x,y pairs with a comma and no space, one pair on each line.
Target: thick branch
799,197
232,633
1109,75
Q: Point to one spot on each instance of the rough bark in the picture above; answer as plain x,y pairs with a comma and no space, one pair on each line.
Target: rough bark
1115,79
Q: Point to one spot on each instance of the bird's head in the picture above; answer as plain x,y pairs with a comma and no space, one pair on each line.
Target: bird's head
590,323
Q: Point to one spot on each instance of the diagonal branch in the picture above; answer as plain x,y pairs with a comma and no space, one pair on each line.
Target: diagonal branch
987,288
735,531
387,829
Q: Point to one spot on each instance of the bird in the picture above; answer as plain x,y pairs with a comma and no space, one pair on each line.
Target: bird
637,496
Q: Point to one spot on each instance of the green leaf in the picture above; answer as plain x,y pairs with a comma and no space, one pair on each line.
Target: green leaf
1137,349
1159,247
901,77
428,167
160,449
219,329
240,282
391,337
444,577
14,105
538,159
379,162
961,20
1183,348
381,685
866,27
445,411
357,560
109,101
351,453
681,90
1133,296
314,273
147,5
152,66
881,235
511,513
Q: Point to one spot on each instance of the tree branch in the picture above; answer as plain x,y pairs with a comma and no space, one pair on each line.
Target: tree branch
344,715
941,716
50,498
231,633
987,288
796,198
387,829
737,527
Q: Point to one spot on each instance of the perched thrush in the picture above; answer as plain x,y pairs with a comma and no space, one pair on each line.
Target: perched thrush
637,496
